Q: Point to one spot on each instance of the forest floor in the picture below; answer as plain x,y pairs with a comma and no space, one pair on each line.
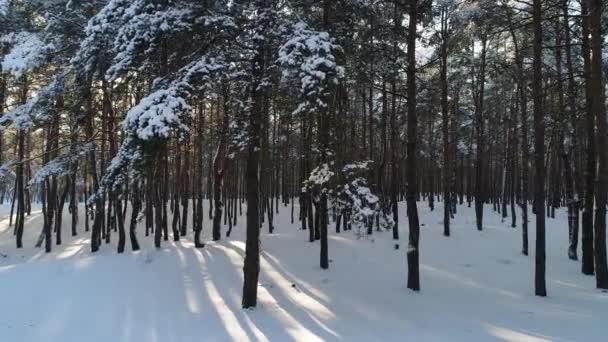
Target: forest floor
476,286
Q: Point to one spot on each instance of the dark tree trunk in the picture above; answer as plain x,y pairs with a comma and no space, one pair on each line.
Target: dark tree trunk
135,209
121,225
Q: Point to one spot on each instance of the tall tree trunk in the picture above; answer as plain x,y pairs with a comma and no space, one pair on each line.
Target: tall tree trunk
539,152
185,191
2,103
135,209
19,177
446,174
587,265
601,177
198,217
572,176
219,166
479,131
251,267
413,276
525,153
397,19
324,141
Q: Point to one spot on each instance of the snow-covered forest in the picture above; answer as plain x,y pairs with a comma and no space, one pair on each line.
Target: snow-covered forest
275,170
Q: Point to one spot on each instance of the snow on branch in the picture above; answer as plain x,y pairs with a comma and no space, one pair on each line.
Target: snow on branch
321,175
309,57
61,165
7,175
28,51
356,196
36,109
350,193
159,115
144,23
99,33
5,169
128,154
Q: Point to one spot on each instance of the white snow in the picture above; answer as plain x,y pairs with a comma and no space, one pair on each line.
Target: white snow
476,286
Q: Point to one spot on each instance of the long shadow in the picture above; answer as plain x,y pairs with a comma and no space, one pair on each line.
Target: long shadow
296,312
273,261
208,295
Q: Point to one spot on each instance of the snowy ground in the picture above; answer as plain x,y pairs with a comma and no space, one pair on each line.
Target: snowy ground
476,286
